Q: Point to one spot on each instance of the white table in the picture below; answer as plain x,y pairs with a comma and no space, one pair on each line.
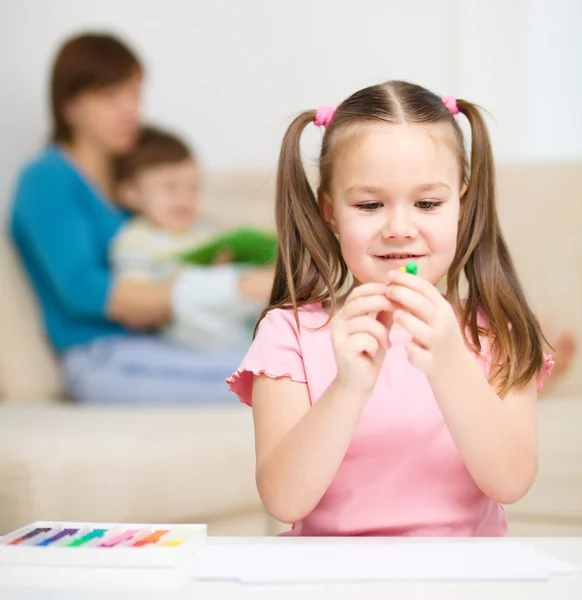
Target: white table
557,588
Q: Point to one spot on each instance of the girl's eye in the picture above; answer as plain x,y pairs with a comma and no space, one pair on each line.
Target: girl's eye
369,206
427,205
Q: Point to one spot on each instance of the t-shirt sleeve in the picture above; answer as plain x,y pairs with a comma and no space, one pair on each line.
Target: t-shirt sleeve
545,370
275,352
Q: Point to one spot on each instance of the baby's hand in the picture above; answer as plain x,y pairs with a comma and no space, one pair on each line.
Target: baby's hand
224,256
360,337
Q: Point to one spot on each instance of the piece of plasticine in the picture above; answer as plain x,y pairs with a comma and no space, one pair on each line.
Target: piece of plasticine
411,267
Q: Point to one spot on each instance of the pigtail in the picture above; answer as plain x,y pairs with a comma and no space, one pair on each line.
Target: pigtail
494,289
309,267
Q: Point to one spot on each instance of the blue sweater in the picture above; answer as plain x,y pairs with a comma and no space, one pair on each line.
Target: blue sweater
62,228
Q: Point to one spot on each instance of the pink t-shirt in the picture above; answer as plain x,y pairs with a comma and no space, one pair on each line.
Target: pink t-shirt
402,473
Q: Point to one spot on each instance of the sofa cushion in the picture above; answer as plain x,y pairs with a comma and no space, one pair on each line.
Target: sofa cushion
79,463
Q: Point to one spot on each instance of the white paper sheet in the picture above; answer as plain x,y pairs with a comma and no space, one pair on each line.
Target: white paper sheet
336,562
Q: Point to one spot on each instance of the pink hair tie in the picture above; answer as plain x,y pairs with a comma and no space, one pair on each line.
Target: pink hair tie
324,115
451,104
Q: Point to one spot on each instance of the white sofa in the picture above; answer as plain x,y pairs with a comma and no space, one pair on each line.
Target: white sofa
63,461
59,460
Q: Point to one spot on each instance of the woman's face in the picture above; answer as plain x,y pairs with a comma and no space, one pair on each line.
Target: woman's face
108,118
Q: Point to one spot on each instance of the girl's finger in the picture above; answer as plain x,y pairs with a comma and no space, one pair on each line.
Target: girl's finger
412,301
418,329
366,289
419,357
364,343
370,326
365,305
419,284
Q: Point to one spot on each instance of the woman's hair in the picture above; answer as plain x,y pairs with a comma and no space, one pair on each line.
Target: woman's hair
310,267
85,63
154,148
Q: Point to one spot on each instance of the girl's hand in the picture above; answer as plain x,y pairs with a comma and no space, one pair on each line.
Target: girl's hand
359,334
421,309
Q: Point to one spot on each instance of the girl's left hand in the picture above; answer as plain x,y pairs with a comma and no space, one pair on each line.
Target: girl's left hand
437,344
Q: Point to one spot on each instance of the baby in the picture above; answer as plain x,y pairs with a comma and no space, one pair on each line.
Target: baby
159,181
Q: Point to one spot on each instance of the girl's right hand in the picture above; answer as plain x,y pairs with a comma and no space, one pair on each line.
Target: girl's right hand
360,337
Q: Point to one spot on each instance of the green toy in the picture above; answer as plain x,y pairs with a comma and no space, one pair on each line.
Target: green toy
244,245
411,267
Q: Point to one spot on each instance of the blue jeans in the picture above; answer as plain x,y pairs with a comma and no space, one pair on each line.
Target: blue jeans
147,370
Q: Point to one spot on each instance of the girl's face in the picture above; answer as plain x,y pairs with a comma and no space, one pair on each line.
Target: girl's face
108,118
395,197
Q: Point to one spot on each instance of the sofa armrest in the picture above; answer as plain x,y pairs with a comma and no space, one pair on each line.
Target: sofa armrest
28,369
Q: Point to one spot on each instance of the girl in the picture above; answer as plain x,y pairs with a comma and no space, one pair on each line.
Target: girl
393,410
62,223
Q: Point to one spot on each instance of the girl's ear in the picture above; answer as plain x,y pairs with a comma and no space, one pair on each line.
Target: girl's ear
327,212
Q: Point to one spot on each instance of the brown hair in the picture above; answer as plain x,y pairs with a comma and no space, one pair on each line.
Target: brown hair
310,267
87,62
154,147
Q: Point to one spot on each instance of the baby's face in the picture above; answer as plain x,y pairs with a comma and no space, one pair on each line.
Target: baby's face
168,195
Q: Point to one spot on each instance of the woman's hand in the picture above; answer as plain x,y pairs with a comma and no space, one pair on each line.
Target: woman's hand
140,305
256,284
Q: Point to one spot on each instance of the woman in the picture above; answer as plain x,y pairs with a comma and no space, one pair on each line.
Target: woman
62,222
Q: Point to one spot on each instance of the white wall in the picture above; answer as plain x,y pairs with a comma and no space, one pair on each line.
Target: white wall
227,74
230,74
554,76
522,60
489,62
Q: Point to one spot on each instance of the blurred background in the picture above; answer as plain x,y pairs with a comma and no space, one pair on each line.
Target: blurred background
229,76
